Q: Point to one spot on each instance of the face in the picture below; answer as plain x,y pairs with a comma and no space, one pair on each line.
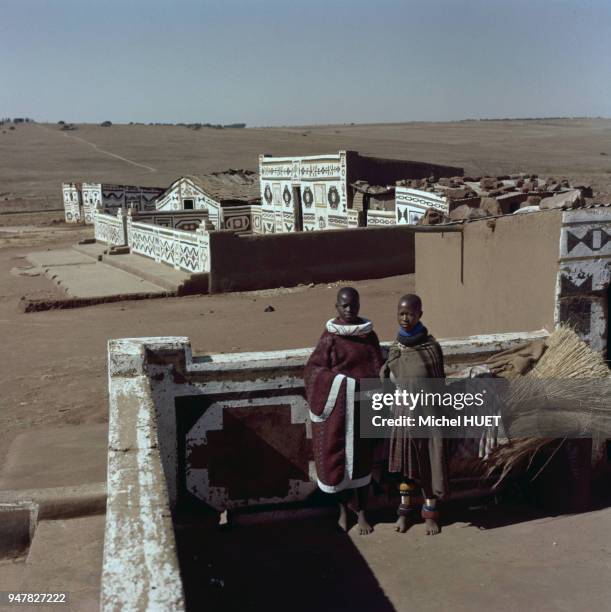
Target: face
408,316
348,308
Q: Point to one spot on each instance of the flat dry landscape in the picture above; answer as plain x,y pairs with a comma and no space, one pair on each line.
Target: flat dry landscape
36,158
53,368
54,362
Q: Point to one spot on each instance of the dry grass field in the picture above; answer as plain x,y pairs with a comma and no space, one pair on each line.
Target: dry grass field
36,158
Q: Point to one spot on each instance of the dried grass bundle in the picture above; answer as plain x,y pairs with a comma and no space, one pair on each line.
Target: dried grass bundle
544,400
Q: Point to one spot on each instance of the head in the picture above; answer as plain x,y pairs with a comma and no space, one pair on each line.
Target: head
409,311
348,305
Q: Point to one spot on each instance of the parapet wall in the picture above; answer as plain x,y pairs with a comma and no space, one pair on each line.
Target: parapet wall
203,435
241,263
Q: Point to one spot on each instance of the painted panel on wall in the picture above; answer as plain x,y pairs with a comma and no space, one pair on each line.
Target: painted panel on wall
72,201
323,193
92,199
411,204
584,274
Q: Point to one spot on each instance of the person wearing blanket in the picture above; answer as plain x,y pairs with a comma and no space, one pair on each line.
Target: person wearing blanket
348,350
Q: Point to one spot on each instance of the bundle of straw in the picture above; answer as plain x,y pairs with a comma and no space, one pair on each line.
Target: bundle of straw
568,390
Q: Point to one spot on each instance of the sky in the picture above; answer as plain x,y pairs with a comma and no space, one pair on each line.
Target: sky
267,62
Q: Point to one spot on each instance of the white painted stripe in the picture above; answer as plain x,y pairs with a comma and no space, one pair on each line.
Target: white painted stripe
345,484
331,399
350,389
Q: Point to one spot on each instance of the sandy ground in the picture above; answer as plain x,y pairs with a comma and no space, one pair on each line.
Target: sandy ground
35,159
54,362
501,558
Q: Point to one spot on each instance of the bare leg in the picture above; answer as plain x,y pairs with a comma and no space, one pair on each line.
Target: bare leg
361,500
406,492
342,502
431,516
402,524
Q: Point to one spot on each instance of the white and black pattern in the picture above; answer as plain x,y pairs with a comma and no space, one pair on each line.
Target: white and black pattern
311,170
108,229
71,197
185,250
361,329
308,197
380,217
584,274
337,221
286,196
333,198
420,200
267,194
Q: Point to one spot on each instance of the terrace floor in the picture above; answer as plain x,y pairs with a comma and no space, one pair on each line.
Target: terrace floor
504,558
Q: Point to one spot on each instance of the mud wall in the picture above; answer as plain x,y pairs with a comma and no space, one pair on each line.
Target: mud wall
493,277
380,171
241,263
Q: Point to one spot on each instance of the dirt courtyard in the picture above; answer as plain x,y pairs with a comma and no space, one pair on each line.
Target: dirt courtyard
55,362
54,365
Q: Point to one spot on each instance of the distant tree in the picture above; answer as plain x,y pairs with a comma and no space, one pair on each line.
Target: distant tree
61,123
106,124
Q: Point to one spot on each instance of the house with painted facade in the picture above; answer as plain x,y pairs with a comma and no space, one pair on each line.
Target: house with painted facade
231,199
316,192
81,200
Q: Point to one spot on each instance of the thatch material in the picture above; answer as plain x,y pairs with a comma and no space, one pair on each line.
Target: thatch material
558,394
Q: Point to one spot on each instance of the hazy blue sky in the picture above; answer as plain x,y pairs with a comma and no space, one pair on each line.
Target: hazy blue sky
268,62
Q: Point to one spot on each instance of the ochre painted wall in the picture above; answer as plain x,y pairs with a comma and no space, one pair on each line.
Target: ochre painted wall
241,263
500,279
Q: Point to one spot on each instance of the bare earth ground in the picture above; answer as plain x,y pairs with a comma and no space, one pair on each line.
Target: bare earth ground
54,362
35,159
53,365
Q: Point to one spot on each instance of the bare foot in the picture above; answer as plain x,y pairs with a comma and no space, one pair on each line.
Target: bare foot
343,517
431,527
402,524
364,527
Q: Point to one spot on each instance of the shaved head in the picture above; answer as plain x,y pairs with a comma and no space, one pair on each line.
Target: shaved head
348,305
412,300
409,311
347,292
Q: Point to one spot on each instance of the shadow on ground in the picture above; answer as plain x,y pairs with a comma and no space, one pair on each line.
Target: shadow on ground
307,565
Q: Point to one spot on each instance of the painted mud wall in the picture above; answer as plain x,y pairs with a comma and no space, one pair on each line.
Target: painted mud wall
184,188
285,260
205,434
584,275
491,277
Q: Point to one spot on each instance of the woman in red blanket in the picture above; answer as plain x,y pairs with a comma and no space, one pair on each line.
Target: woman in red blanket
347,351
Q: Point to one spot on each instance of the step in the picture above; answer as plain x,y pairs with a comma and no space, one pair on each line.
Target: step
66,556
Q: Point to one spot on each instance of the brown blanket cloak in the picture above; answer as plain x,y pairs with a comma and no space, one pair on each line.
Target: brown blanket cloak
344,354
423,459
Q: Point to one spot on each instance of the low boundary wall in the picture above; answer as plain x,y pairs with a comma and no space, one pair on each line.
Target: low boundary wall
244,263
190,432
189,251
110,229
